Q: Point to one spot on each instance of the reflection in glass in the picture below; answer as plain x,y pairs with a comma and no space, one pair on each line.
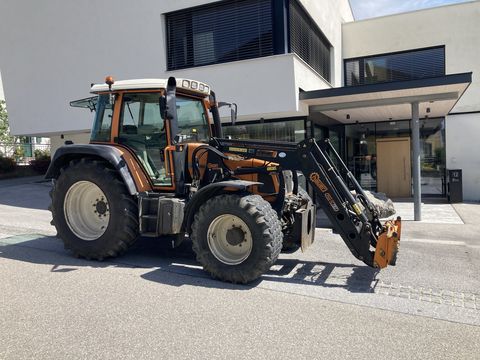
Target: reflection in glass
290,131
432,158
362,154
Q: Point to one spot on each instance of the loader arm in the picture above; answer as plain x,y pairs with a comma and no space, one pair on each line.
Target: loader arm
352,216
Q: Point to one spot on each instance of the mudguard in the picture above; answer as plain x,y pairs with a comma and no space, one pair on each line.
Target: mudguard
209,191
108,153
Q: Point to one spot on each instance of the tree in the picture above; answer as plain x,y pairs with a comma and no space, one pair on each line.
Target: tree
4,128
8,143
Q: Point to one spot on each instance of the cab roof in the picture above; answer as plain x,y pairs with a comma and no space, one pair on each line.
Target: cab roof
140,84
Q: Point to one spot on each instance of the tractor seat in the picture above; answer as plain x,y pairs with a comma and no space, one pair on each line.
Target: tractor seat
129,129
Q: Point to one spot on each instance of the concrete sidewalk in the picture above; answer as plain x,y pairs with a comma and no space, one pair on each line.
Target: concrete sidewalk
434,211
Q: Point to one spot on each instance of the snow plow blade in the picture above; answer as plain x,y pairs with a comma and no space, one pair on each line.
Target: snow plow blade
387,244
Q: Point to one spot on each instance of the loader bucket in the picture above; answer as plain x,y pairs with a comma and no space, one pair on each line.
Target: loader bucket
387,244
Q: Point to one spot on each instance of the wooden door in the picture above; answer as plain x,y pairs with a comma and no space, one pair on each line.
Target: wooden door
394,167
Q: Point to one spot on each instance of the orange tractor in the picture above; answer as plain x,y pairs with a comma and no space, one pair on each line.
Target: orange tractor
158,165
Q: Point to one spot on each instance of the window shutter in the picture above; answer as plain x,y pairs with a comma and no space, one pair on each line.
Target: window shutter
220,32
308,42
408,65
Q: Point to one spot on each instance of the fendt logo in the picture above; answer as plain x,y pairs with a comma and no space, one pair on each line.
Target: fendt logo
315,178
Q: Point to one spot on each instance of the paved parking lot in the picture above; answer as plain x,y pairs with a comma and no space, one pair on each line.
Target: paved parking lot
158,303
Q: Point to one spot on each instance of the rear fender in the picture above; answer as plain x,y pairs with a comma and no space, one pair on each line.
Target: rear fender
110,154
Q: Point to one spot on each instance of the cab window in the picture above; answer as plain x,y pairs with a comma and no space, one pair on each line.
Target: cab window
192,121
103,119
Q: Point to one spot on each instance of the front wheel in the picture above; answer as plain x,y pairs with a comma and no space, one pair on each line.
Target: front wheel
236,238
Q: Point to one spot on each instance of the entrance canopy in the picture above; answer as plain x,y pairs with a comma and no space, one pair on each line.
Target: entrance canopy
401,100
388,101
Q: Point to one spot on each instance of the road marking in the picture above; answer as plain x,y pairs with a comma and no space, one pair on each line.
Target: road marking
438,242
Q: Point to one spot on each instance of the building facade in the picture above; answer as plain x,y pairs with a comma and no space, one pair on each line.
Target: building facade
268,57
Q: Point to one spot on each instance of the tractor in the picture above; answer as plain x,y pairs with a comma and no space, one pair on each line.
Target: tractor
158,166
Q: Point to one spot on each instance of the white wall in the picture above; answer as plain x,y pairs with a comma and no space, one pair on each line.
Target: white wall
463,151
263,87
53,49
77,138
455,26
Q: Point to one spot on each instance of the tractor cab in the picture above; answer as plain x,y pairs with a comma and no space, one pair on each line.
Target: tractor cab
129,114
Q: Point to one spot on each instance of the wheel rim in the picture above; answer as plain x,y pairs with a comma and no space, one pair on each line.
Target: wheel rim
87,211
229,239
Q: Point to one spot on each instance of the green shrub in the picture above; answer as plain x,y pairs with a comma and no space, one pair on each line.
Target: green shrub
7,165
41,154
19,152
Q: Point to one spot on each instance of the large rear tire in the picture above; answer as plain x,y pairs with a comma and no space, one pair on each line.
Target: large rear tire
93,212
236,238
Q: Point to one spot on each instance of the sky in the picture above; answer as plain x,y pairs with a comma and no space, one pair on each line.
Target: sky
364,9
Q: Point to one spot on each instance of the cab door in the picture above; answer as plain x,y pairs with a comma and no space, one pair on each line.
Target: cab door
142,130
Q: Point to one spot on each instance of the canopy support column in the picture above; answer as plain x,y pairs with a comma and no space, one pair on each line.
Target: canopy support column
417,185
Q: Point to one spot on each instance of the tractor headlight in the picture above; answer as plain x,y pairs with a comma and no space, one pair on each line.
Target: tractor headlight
194,85
185,83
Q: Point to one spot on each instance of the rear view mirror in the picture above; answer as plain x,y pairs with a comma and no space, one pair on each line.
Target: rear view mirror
162,102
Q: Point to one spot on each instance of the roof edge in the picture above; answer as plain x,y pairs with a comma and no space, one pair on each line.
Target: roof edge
450,79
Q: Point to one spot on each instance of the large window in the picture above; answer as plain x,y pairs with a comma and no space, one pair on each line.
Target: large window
409,65
291,131
220,32
307,41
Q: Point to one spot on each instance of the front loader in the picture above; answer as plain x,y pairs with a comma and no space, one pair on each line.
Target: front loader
159,166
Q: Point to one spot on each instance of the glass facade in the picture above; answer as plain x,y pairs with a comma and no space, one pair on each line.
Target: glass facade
290,131
357,145
433,159
360,150
408,65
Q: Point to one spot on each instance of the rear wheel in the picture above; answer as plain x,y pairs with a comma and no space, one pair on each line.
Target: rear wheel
236,238
93,212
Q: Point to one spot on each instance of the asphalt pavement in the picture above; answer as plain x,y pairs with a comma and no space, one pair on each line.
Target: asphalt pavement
157,303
